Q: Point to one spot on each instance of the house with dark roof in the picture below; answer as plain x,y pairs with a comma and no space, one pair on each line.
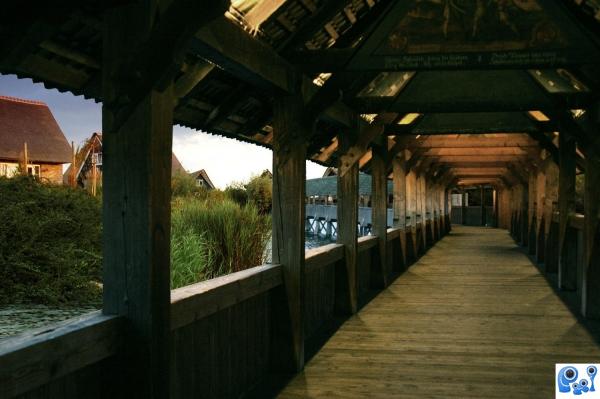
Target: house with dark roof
87,172
202,179
30,135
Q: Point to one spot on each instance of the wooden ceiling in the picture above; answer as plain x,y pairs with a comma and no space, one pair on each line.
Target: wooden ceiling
332,51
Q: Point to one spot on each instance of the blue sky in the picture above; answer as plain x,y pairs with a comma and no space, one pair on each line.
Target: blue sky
224,159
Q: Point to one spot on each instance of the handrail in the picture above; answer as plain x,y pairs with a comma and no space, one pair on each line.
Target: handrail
577,221
367,242
37,357
393,233
323,256
197,301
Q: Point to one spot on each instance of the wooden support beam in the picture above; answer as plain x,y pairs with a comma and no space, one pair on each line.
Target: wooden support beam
540,199
422,207
289,176
531,211
367,133
155,62
550,231
380,272
399,178
591,274
567,243
346,283
137,207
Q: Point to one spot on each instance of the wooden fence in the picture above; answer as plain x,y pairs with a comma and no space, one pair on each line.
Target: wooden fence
221,331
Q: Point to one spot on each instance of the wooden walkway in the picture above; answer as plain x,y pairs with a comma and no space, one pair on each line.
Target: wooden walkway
472,318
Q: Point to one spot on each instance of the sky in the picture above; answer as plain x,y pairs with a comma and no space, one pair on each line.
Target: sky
225,160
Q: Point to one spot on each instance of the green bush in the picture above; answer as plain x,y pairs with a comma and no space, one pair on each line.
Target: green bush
237,193
50,243
260,193
184,185
213,238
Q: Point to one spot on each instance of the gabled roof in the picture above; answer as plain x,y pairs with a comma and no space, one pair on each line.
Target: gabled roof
26,121
325,186
202,174
176,166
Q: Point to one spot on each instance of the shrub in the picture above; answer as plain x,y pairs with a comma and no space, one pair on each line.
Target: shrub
184,185
213,238
260,193
50,243
237,193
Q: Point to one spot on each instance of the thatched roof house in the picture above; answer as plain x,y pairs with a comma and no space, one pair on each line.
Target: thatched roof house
30,124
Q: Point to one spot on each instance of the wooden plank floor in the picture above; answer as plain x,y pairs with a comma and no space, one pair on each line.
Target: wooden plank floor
473,318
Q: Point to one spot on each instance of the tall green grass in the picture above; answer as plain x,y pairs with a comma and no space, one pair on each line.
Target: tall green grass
214,238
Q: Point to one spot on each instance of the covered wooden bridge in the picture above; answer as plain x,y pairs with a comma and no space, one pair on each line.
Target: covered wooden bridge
431,94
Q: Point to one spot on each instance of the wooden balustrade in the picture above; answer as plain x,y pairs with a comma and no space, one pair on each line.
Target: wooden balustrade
221,331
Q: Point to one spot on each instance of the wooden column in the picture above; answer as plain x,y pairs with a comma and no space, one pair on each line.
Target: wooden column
411,224
422,204
400,207
289,177
399,176
347,215
411,198
540,245
379,209
137,206
463,206
550,228
531,206
524,215
591,275
567,258
482,195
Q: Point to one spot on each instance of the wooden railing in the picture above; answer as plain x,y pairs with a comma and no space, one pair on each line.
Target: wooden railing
221,333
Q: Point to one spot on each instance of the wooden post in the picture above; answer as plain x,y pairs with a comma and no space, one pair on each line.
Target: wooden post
591,274
540,245
567,258
411,210
379,210
137,207
422,205
289,176
399,176
346,286
531,228
400,206
463,210
550,230
495,206
482,194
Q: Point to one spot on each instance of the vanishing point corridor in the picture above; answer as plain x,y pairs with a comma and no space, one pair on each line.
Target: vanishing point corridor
472,318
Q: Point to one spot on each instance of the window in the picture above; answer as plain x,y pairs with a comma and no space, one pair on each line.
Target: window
9,169
33,170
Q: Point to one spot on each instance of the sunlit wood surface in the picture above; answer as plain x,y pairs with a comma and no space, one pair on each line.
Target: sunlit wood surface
473,318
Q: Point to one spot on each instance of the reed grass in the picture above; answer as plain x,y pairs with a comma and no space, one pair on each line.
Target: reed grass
214,238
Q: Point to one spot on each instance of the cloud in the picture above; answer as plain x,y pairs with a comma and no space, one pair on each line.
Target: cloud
225,160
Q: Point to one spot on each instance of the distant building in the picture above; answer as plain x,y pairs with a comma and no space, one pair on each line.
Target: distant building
202,179
267,173
330,171
29,133
88,165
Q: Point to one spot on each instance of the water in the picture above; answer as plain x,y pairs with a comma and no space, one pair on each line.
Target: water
313,241
17,318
